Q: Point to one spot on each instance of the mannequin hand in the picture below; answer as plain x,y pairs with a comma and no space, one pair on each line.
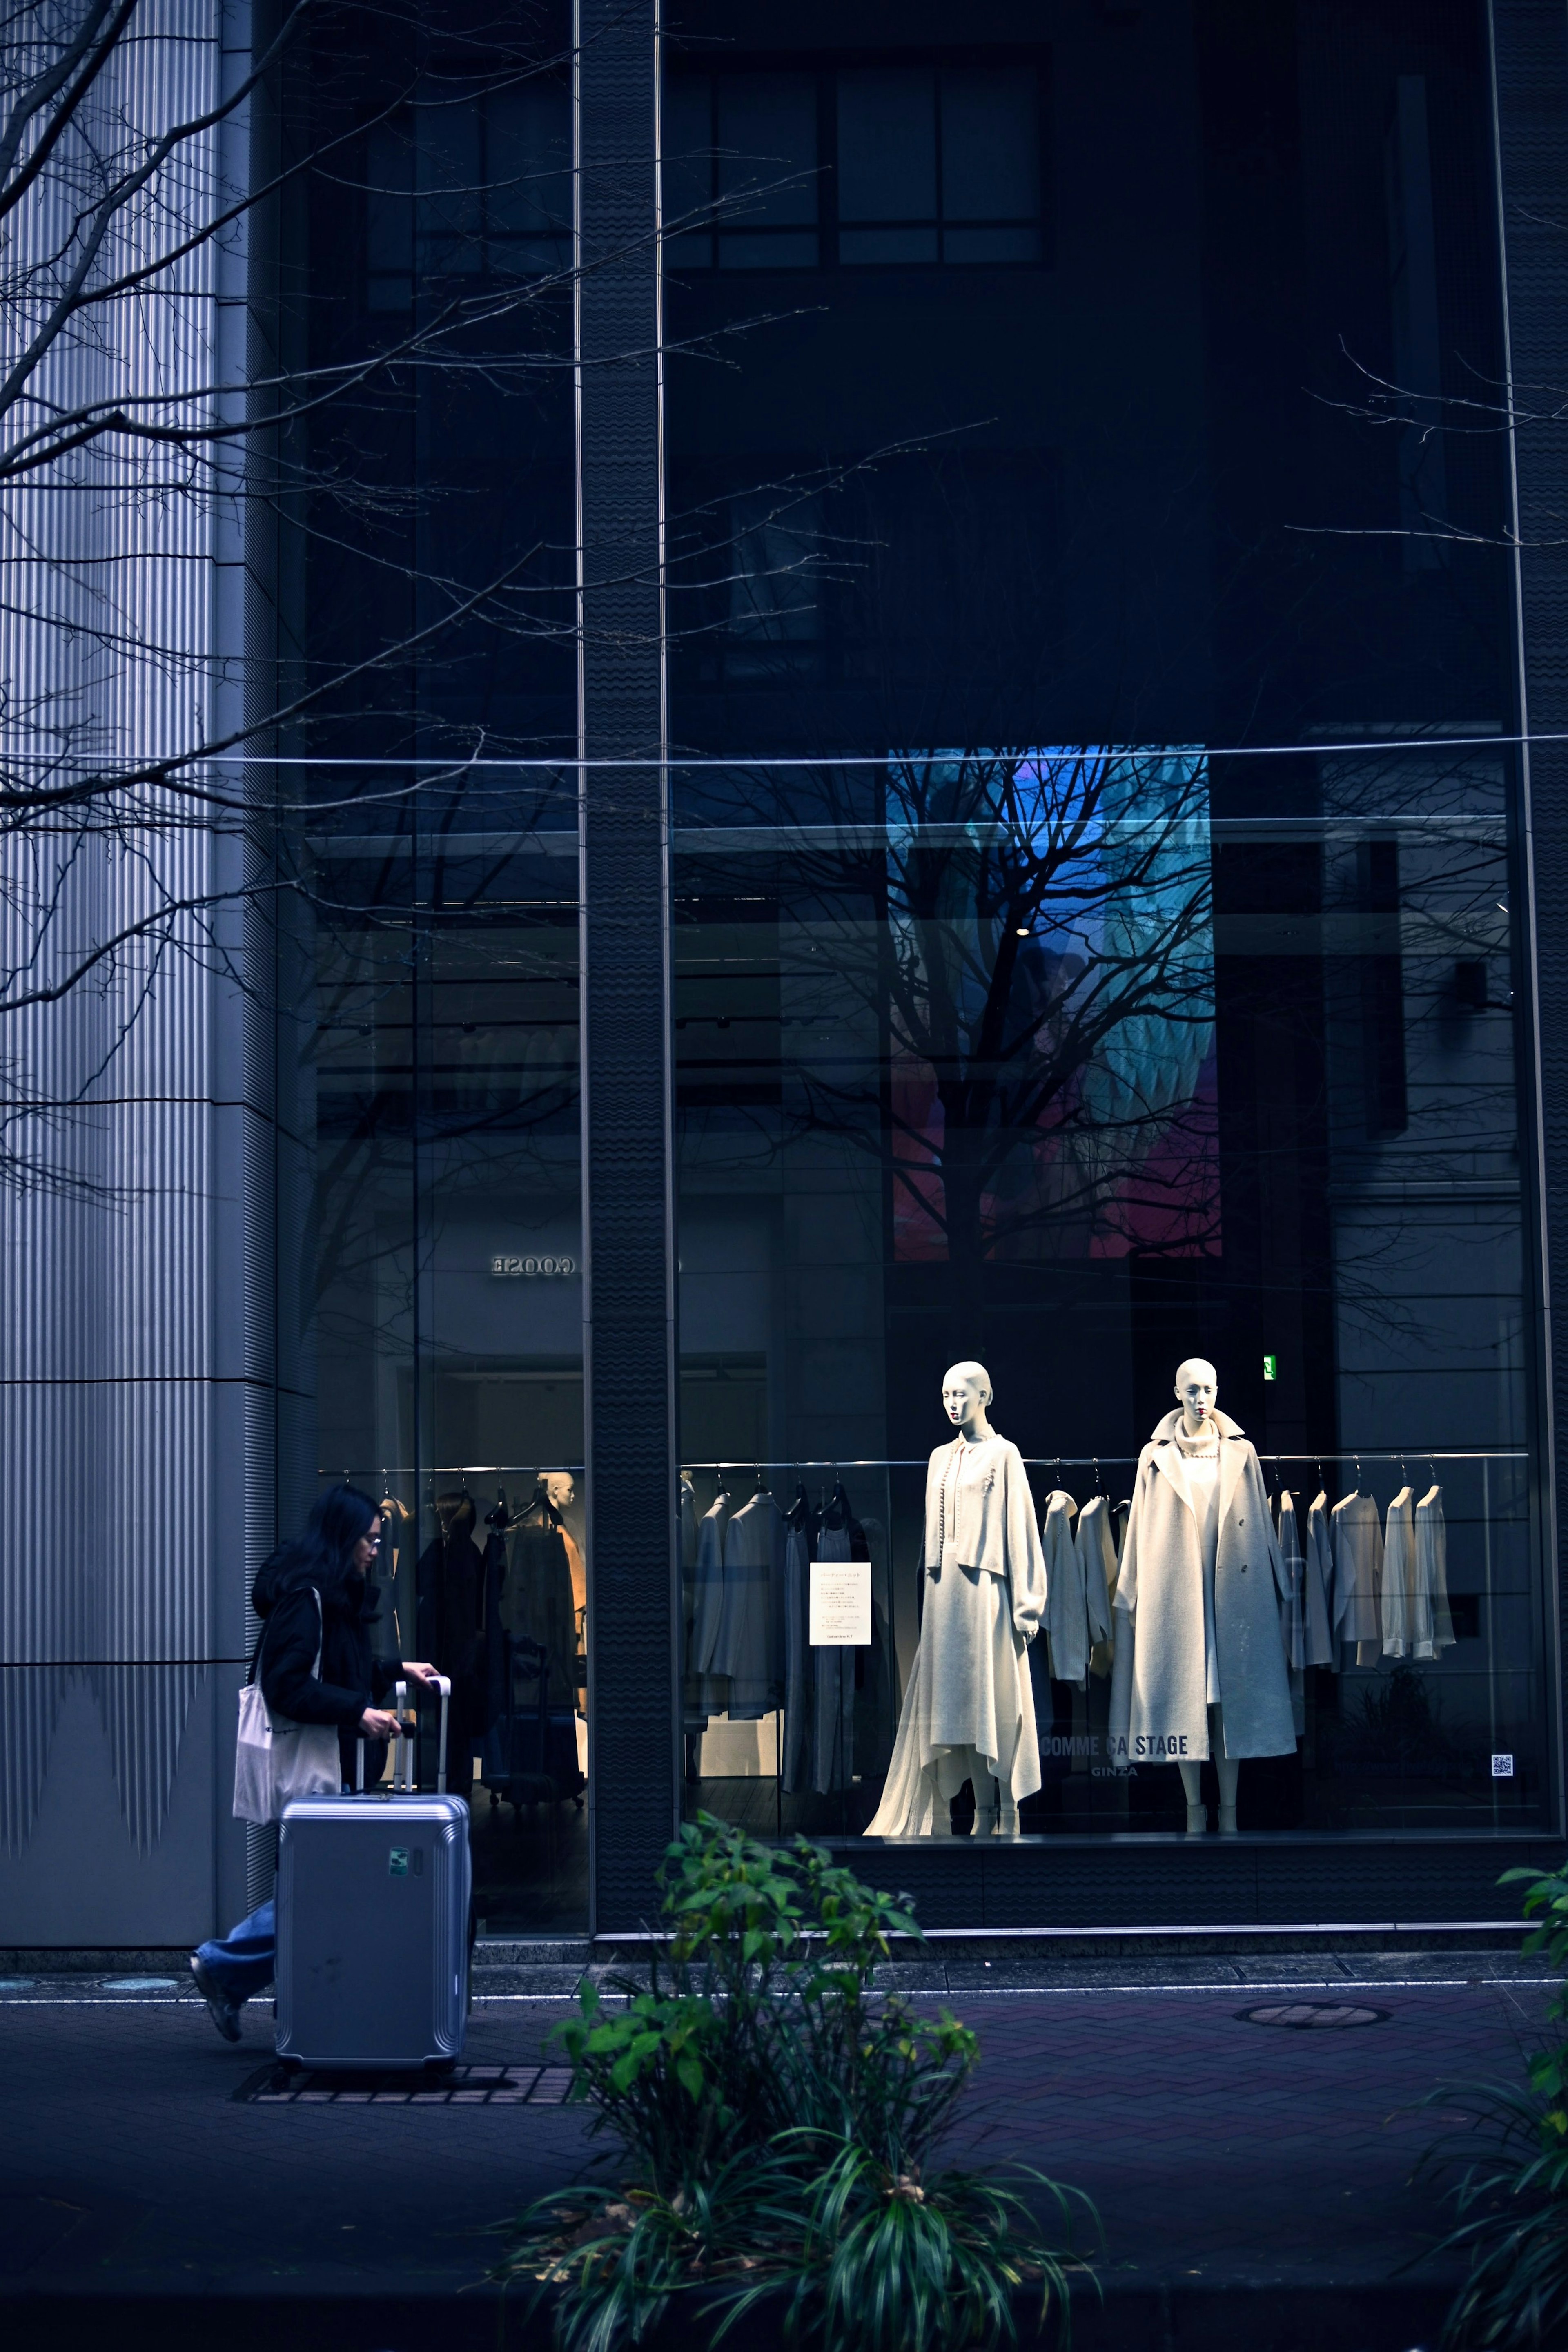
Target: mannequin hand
416,1671
379,1723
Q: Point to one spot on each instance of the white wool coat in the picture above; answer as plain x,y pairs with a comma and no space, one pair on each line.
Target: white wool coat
1158,1707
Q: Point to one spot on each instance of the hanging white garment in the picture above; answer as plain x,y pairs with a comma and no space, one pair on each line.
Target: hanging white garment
1358,1576
1317,1597
1398,1593
744,1648
1097,1567
1066,1613
1292,1607
1435,1623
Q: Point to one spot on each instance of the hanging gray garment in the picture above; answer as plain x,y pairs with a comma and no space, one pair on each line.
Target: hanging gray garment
1397,1597
833,1744
800,1673
1066,1609
1097,1568
744,1648
711,1694
1318,1587
1358,1576
1292,1611
1432,1575
688,1524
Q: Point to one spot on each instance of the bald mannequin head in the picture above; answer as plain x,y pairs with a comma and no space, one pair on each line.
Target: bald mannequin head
966,1393
1196,1386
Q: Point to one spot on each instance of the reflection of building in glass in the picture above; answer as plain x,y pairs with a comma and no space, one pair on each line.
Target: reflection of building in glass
616,1045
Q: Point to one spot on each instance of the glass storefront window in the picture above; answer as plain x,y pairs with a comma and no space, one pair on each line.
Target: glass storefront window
447,1313
1081,1063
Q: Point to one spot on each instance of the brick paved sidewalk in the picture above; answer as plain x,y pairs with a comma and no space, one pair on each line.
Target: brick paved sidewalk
1221,2154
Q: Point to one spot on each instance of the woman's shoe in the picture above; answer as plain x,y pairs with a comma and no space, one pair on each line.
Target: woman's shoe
223,2011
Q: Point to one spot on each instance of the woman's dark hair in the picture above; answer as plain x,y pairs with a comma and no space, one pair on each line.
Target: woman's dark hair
323,1554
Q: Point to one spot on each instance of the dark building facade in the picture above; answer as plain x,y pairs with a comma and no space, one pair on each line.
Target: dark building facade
962,761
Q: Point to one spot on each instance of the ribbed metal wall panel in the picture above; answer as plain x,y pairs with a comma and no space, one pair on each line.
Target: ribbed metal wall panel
138,1288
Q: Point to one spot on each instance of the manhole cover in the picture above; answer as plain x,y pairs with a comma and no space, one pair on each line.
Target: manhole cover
1306,2016
140,1984
273,2085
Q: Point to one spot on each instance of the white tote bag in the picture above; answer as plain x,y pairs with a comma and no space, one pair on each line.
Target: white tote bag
276,1759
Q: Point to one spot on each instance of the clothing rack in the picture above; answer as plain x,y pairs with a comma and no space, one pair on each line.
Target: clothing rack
469,1471
1088,1461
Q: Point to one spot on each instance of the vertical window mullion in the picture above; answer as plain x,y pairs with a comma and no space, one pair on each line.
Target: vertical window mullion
827,172
936,138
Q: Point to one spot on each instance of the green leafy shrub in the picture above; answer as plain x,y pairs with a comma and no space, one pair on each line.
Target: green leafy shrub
1512,2190
774,2121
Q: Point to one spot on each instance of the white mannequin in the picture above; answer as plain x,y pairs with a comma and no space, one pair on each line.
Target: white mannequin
1196,1387
966,1393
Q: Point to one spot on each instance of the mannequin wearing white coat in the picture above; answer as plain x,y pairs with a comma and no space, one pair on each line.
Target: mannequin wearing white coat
1203,1667
1197,1390
968,1711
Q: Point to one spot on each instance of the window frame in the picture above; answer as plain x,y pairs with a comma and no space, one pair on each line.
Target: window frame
824,68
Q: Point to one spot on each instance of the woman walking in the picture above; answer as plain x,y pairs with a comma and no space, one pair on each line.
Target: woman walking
315,1664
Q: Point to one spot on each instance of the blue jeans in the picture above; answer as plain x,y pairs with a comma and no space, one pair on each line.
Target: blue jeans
241,1962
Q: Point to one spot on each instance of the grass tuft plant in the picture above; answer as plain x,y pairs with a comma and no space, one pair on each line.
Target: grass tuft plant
774,2121
1511,2195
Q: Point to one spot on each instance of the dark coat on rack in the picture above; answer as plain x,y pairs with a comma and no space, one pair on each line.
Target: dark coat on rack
451,1581
537,1599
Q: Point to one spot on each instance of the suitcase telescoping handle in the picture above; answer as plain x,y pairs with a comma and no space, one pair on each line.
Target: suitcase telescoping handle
403,1754
404,1778
445,1687
402,1751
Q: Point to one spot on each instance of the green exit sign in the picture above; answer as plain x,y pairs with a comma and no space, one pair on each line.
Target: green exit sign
1271,1367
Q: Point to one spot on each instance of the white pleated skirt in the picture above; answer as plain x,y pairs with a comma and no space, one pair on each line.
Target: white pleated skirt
969,1689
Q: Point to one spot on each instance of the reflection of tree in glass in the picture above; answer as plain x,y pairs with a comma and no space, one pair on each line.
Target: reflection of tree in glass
1043,962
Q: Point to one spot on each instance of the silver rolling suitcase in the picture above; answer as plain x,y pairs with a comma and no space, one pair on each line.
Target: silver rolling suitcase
373,1921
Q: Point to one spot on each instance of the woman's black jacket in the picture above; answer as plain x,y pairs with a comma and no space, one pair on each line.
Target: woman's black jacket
351,1677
